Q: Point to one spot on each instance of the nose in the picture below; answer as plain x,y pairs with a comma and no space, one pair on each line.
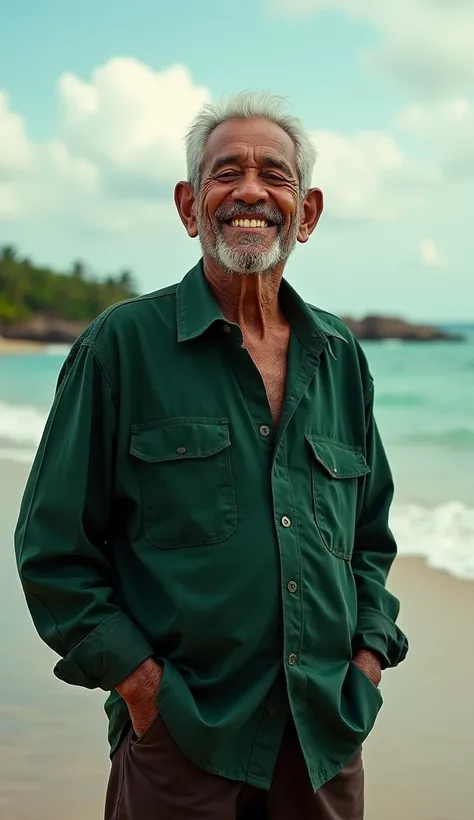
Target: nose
250,188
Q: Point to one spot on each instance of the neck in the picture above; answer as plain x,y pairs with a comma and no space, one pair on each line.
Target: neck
251,301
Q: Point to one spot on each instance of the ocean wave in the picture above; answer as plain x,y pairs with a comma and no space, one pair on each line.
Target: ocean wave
400,400
21,425
456,437
442,536
57,350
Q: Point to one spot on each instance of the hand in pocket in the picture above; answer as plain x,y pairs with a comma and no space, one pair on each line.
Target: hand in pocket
368,663
139,692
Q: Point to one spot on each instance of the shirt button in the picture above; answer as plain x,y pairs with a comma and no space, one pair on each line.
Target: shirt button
181,450
335,469
286,521
226,328
292,659
264,430
292,586
273,713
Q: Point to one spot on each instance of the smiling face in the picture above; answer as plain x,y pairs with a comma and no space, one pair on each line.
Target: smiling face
249,206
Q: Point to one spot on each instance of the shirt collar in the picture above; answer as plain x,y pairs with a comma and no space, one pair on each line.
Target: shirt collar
197,310
313,332
196,307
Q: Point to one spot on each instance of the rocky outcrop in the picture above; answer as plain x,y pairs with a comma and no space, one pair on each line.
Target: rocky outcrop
379,328
44,329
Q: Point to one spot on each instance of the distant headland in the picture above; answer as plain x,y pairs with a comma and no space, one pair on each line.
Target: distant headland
381,328
42,306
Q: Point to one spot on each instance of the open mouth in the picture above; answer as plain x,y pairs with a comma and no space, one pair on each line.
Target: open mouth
238,222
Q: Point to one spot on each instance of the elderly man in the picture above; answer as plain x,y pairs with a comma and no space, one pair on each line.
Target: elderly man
204,533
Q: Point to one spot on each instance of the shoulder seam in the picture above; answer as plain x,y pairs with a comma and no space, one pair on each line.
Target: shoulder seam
100,320
104,369
326,312
331,316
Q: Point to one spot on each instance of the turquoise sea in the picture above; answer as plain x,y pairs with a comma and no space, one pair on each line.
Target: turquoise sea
425,411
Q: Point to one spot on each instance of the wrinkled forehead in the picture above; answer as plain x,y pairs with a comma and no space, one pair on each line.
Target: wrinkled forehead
250,141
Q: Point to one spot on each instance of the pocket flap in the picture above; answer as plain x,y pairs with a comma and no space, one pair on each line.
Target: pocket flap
174,439
338,459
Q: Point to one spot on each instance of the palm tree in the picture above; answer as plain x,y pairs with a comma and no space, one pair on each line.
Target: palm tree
125,278
79,270
8,253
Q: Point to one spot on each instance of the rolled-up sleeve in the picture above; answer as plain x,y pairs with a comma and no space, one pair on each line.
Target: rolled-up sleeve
61,538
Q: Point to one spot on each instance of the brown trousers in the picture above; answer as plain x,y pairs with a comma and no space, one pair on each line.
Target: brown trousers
151,779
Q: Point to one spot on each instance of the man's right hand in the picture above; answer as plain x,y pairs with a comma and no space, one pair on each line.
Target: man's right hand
139,692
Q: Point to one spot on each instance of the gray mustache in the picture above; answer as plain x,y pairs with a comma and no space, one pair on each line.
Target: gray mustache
257,211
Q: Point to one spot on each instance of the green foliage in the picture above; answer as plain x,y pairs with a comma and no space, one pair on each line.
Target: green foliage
27,289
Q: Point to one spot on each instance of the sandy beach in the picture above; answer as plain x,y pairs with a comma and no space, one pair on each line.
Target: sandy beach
53,754
19,347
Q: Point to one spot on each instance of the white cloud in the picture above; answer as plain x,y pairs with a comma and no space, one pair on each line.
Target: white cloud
16,159
429,253
129,118
119,149
16,152
366,176
426,44
449,125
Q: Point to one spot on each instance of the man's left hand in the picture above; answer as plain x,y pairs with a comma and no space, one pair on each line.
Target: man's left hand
369,663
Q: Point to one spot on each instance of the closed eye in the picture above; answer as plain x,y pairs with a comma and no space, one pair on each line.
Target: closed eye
274,177
227,175
268,175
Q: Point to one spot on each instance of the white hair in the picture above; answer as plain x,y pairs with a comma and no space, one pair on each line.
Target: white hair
245,106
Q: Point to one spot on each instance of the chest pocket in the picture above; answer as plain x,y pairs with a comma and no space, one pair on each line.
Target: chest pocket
186,477
336,470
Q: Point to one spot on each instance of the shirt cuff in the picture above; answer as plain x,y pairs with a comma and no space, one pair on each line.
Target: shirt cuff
106,656
379,633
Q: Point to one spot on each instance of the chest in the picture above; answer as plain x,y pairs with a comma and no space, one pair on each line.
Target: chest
271,360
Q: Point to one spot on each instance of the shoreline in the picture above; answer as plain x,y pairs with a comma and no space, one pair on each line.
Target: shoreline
20,346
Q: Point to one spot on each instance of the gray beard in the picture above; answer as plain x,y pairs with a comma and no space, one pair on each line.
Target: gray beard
246,262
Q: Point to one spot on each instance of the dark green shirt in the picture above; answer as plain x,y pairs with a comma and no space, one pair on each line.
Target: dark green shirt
165,516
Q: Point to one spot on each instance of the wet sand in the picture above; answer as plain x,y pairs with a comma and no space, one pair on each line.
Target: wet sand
53,750
19,347
419,757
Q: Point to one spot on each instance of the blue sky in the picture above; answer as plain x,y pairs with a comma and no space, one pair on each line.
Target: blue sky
94,102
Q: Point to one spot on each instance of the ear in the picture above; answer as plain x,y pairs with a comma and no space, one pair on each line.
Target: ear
313,206
185,202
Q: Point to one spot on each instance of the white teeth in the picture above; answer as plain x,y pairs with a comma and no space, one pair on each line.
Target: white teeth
249,223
